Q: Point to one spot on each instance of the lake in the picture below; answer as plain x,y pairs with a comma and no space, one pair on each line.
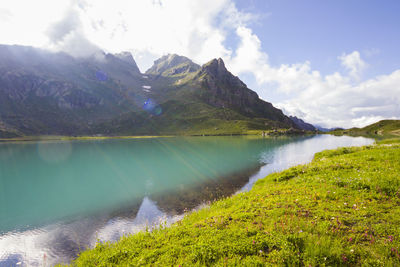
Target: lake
57,198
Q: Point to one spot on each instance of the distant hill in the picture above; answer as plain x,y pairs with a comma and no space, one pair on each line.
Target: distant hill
45,93
383,128
323,129
302,125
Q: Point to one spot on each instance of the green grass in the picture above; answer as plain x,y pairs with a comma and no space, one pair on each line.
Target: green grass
381,129
187,118
341,209
70,138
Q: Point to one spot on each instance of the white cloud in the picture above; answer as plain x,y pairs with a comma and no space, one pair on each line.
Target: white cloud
335,101
331,100
150,29
249,58
353,63
147,28
25,22
67,35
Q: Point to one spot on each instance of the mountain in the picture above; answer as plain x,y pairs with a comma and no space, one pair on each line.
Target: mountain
53,93
173,65
383,128
302,125
45,93
322,129
217,87
128,58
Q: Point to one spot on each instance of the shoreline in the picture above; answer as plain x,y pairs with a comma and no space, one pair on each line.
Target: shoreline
70,138
277,222
88,137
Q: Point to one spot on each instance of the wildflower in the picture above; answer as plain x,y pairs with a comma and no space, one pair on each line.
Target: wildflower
300,231
351,250
344,258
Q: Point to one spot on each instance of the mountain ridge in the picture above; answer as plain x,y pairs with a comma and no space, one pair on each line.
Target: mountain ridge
380,129
46,93
173,64
223,89
302,124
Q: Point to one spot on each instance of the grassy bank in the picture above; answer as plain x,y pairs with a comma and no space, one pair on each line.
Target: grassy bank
341,209
66,138
280,132
379,130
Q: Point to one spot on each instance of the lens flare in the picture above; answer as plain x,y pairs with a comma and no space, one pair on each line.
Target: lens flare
101,76
151,106
157,111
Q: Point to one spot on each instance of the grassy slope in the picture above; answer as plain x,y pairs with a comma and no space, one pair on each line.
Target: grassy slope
343,208
382,129
187,118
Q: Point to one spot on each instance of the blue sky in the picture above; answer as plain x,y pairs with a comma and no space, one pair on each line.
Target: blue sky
332,63
318,31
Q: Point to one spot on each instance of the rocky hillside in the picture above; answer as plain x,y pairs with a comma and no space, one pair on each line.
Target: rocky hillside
173,65
220,88
302,124
53,93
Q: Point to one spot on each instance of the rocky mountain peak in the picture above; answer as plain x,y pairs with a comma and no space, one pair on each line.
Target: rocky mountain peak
302,124
173,64
126,56
216,67
172,60
216,70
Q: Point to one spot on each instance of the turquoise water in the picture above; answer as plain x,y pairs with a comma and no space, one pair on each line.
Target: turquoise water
47,181
50,191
